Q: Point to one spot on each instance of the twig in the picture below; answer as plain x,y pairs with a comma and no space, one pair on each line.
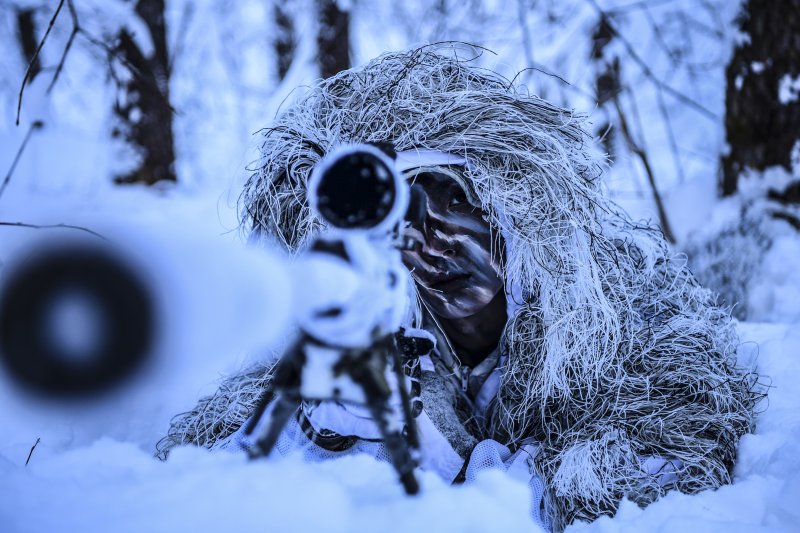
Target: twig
660,40
673,144
642,4
526,34
718,31
633,147
30,453
52,226
637,117
37,124
180,39
688,45
35,56
75,30
113,53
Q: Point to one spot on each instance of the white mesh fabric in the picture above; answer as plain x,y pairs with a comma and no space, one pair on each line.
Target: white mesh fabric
490,454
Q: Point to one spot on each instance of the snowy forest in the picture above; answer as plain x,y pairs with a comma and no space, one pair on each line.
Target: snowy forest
147,124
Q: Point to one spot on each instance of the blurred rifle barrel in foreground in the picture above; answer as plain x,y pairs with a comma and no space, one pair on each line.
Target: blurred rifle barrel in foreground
82,315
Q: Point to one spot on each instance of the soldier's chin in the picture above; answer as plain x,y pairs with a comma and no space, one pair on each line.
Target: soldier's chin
453,305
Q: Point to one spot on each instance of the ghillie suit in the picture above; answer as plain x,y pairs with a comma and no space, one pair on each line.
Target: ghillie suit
614,352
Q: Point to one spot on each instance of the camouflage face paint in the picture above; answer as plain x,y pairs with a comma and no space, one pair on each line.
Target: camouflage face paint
454,261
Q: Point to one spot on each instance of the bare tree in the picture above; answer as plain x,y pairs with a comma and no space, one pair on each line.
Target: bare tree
609,89
284,41
761,126
144,110
333,39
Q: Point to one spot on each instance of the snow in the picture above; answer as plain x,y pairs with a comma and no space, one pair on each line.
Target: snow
789,89
775,292
93,469
761,261
114,485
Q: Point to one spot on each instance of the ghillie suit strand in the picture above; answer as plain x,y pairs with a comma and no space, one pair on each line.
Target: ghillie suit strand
219,415
614,353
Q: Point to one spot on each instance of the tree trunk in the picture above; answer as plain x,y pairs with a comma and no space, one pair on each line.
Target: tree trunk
145,113
760,128
333,40
284,39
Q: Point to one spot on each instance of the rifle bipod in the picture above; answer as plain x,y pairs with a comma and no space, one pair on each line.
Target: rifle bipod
366,368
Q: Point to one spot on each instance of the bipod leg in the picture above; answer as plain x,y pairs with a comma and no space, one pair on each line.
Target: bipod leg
412,437
398,450
286,384
285,407
377,393
261,406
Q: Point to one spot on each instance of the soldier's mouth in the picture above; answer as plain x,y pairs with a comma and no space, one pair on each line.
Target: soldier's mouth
447,282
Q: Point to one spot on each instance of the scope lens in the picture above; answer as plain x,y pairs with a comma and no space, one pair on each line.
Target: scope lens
357,191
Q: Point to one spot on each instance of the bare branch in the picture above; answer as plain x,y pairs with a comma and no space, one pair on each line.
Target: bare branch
640,153
75,29
660,40
673,144
52,226
180,39
34,126
526,34
629,48
137,73
36,56
30,453
641,4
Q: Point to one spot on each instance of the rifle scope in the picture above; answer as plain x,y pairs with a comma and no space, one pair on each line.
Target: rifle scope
357,187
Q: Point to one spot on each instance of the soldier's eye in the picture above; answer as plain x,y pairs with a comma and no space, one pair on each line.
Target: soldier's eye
458,198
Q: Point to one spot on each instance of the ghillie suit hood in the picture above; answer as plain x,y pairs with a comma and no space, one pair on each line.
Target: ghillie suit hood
614,352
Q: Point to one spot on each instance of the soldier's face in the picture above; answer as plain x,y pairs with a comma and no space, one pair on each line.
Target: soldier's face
456,257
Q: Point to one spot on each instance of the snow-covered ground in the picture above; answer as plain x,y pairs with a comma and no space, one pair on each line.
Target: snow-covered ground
93,469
